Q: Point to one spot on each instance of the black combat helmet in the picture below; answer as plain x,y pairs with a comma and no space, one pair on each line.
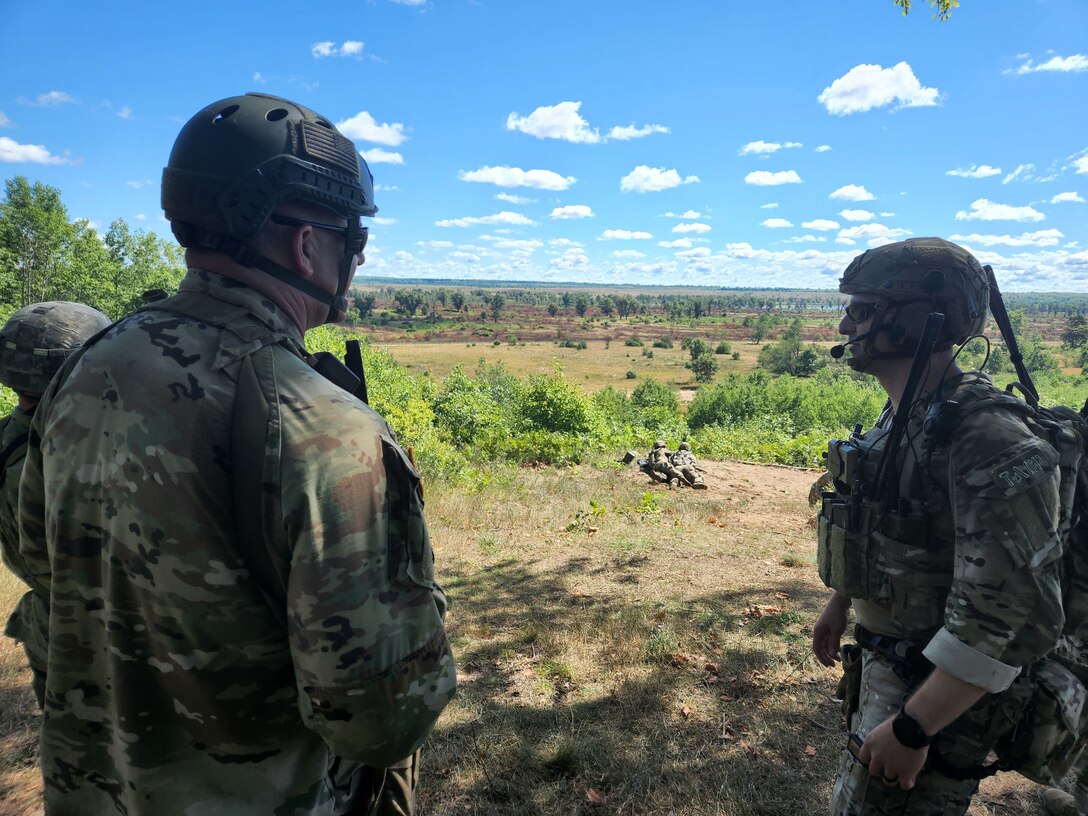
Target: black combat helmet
238,159
37,339
911,279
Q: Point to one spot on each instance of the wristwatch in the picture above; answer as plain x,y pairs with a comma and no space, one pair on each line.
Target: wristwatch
909,731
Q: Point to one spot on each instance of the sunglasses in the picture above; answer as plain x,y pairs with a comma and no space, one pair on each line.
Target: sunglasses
859,312
360,237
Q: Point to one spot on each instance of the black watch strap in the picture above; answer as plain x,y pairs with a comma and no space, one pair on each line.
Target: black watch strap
909,731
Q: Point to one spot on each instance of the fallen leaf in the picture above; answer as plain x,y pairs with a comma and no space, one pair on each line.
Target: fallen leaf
810,750
685,711
595,797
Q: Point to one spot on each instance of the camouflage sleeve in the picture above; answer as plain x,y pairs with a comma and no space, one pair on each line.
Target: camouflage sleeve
1005,606
365,614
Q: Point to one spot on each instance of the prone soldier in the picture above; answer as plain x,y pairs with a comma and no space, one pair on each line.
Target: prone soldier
684,461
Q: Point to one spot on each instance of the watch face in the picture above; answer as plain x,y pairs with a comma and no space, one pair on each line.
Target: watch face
909,732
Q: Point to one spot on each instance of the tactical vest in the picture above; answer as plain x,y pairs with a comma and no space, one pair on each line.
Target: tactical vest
892,555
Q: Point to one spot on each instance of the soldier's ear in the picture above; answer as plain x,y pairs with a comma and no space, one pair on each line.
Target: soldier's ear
304,250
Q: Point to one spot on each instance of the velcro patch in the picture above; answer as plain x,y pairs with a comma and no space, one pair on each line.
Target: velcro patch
1017,469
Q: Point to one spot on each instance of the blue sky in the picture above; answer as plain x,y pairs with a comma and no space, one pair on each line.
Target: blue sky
703,143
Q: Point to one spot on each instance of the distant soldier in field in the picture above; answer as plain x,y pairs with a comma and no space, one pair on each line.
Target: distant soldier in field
661,467
34,343
684,461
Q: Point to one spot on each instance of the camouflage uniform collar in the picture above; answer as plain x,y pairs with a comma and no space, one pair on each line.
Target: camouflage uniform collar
235,293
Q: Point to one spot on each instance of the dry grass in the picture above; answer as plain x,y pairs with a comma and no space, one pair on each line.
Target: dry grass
624,649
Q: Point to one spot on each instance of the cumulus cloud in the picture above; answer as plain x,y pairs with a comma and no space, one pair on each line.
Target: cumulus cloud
378,156
14,153
856,215
679,243
516,177
628,253
623,235
49,100
761,148
776,223
873,234
572,211
1066,65
974,172
645,179
1040,238
1081,164
362,127
510,198
504,217
695,228
1022,172
804,239
852,192
625,134
125,112
765,178
865,87
435,244
327,48
1072,197
823,148
4,121
820,224
382,221
773,205
563,121
982,209
697,252
687,214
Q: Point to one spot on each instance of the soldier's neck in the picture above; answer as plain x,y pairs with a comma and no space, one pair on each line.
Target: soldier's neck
893,378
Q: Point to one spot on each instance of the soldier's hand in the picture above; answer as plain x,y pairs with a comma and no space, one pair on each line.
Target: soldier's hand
829,628
889,759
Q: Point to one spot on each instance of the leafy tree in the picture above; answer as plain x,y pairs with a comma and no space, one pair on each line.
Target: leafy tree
408,300
942,8
650,394
35,241
790,355
365,304
607,306
697,347
704,367
553,308
1076,332
495,303
581,304
458,300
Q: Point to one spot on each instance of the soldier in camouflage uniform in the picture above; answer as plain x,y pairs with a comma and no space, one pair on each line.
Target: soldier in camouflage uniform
245,618
954,572
684,461
661,468
34,343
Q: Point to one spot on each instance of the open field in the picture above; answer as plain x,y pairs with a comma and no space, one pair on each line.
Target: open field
623,649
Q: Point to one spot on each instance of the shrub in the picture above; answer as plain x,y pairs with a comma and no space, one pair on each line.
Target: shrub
664,342
654,394
633,341
631,375
723,348
550,403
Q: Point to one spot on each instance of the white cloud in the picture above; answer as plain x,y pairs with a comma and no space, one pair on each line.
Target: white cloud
975,172
362,127
4,121
13,152
1071,197
125,112
679,243
765,178
820,224
804,239
624,134
327,48
697,252
696,228
628,253
136,184
873,234
865,87
435,244
761,148
1070,64
386,188
378,156
624,235
852,192
464,256
773,205
1022,172
983,209
527,245
1081,164
645,179
409,2
382,221
49,100
823,148
1040,238
560,121
505,217
516,177
572,211
510,198
776,223
856,215
141,217
687,214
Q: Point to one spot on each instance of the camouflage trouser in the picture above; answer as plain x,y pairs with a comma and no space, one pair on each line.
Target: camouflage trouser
28,624
666,472
691,475
883,693
368,791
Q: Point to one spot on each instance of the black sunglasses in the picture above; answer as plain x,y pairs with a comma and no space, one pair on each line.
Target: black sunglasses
360,237
859,312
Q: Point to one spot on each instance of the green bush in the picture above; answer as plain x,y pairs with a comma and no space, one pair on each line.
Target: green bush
631,375
723,348
654,394
664,342
550,403
633,341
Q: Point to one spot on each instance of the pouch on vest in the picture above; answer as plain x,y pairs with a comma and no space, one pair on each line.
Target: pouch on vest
842,556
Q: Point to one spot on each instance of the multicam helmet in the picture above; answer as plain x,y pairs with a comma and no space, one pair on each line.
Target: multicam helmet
238,159
660,443
685,446
911,279
37,339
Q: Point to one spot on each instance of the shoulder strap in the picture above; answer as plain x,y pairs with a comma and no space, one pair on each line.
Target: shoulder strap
10,450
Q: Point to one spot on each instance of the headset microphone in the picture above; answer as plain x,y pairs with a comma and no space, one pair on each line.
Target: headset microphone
838,351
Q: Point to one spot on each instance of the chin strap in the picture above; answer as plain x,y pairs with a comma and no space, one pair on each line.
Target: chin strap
247,256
